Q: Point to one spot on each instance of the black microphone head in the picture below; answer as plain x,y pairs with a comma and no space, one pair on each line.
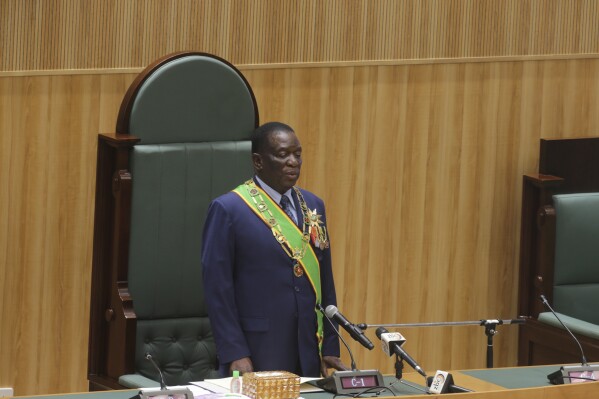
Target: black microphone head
319,307
380,331
331,311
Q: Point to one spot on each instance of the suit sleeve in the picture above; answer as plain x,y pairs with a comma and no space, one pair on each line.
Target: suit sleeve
218,245
330,344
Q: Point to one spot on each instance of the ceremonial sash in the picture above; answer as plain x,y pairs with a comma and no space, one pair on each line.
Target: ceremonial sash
295,243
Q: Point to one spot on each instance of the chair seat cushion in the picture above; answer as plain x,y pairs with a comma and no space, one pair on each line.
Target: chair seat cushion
183,349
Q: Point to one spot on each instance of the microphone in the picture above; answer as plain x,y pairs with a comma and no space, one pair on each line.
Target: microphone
442,382
563,373
351,355
333,313
152,393
392,343
151,359
348,382
546,303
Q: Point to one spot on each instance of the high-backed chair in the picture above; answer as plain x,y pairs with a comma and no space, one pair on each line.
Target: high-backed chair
182,138
559,253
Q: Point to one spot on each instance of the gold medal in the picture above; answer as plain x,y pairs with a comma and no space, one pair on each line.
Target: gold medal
298,270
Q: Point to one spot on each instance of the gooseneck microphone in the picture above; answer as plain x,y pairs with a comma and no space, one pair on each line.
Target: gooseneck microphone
546,303
571,374
162,383
333,313
351,355
392,345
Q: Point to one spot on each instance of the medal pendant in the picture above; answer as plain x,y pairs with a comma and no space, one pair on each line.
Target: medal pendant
298,270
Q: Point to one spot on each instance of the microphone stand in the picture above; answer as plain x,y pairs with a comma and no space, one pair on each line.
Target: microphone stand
489,324
349,382
351,356
398,367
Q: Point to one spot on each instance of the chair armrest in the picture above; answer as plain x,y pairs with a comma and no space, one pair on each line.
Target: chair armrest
137,381
577,326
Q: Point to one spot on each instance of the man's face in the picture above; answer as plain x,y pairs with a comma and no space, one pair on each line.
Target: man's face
279,163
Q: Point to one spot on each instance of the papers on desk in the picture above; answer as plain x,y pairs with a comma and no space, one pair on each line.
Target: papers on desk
195,390
305,387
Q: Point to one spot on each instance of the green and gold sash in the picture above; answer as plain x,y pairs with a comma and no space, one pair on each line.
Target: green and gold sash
294,242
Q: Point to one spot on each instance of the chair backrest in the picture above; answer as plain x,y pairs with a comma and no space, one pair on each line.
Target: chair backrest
194,116
576,268
183,138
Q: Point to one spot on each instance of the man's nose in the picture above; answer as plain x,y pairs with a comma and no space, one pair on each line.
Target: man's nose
293,160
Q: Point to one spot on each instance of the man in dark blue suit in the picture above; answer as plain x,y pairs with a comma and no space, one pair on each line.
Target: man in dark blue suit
267,267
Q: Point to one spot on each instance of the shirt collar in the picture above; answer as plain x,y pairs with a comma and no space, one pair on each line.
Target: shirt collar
272,193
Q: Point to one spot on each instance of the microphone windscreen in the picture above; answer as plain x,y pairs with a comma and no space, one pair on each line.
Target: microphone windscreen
380,331
330,311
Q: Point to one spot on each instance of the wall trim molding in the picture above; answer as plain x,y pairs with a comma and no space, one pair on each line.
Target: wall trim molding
300,65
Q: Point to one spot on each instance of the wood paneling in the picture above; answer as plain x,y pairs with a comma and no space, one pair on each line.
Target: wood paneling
93,34
420,166
48,139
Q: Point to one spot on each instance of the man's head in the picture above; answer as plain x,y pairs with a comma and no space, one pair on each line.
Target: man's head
277,155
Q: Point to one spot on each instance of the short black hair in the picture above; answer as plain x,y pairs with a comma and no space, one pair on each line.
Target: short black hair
262,133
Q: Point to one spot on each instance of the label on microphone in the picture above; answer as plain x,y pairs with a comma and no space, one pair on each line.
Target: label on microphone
439,382
388,338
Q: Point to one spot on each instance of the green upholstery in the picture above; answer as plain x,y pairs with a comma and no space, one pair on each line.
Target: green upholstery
576,271
137,381
193,99
577,326
172,187
194,116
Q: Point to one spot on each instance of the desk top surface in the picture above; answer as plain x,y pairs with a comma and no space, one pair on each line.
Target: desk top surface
513,382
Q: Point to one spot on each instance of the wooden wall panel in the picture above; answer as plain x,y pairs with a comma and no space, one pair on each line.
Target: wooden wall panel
48,136
93,34
420,166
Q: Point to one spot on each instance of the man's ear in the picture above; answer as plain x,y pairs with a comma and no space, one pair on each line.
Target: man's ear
257,161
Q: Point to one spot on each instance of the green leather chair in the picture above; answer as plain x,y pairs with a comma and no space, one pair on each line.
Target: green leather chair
576,264
182,139
559,253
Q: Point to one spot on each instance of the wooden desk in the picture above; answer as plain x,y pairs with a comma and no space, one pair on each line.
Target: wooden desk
485,389
476,380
